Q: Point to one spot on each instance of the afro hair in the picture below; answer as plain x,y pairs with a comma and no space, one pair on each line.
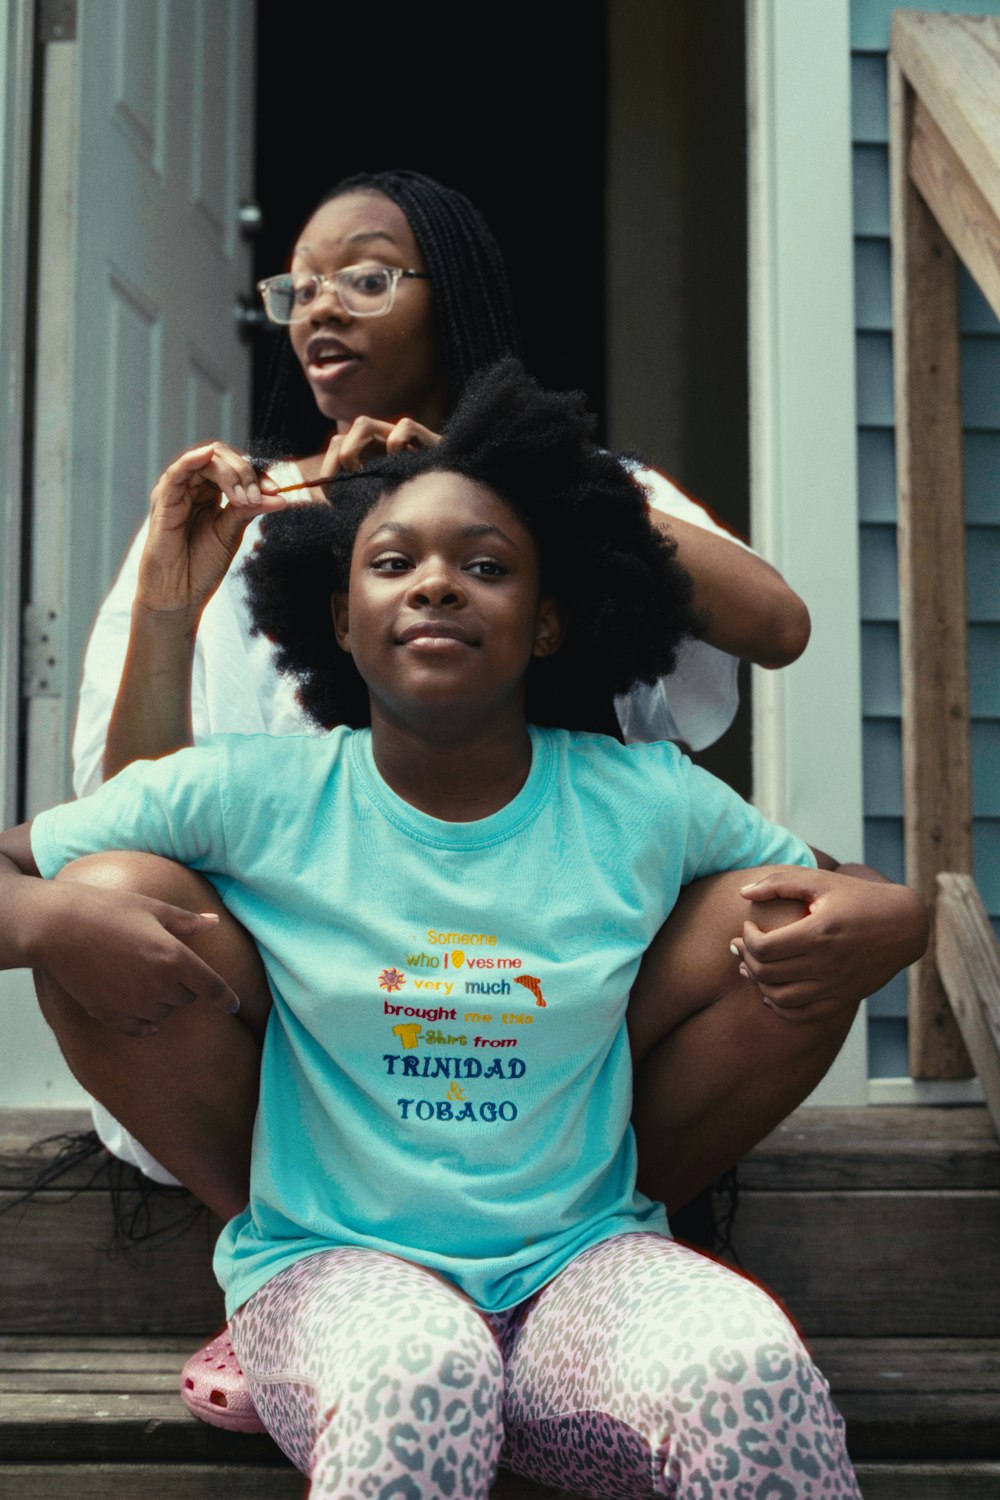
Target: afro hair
627,600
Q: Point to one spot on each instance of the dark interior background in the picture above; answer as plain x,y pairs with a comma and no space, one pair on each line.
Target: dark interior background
510,104
507,105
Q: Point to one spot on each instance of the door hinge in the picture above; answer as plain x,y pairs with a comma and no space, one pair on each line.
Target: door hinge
56,21
43,653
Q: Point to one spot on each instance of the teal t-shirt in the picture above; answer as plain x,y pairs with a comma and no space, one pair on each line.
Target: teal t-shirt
446,1072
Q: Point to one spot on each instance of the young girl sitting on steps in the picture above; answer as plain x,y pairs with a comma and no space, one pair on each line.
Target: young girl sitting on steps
445,1262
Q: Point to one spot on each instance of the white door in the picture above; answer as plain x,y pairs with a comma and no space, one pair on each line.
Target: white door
146,154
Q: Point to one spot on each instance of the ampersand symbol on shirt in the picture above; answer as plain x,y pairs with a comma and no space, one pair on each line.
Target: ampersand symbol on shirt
455,1092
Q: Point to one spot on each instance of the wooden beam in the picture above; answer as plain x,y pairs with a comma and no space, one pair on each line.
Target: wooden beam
953,63
937,793
968,958
956,201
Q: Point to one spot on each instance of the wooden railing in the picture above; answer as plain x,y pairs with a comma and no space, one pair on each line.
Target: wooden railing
944,132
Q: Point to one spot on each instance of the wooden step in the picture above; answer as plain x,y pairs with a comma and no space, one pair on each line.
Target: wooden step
877,1222
900,1481
879,1228
929,1481
114,1400
857,1219
61,1272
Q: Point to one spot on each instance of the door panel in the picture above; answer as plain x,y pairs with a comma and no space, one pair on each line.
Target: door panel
164,97
145,154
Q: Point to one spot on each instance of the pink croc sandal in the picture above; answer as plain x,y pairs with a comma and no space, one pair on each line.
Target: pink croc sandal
214,1388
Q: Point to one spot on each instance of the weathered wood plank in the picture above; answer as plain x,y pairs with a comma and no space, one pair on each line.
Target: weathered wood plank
968,959
877,1264
919,1366
148,1427
915,1398
957,203
931,1398
880,1147
29,1142
52,1351
240,1482
916,1364
871,1147
57,1272
953,64
937,788
903,1481
216,1481
233,1481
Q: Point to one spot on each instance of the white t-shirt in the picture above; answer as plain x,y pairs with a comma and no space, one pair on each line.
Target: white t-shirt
236,689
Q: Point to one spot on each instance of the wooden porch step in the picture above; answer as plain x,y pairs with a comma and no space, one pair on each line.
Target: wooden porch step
902,1481
878,1222
879,1228
857,1219
114,1400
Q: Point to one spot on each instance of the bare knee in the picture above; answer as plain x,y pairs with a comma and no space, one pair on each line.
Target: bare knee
228,947
690,964
144,875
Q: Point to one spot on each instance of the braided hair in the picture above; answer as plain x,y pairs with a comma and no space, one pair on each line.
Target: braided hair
627,600
473,310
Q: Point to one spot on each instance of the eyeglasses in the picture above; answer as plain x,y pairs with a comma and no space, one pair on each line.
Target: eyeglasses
364,291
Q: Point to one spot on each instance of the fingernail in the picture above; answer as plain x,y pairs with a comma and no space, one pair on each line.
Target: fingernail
210,916
744,971
234,1008
751,887
734,950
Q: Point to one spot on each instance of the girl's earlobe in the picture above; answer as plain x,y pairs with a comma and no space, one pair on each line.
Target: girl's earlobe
341,625
550,628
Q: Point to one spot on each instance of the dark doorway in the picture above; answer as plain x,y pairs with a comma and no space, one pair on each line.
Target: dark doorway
506,103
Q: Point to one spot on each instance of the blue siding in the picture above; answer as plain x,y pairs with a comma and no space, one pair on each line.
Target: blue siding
883,782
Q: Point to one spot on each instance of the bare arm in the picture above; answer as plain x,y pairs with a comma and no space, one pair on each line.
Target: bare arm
193,538
192,541
752,613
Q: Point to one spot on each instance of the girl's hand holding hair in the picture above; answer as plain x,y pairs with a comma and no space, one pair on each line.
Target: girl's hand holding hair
369,438
856,930
199,509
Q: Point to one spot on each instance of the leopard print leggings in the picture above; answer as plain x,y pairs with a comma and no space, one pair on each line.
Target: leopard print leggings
643,1369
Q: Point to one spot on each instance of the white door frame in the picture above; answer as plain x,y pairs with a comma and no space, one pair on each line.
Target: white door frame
17,28
807,718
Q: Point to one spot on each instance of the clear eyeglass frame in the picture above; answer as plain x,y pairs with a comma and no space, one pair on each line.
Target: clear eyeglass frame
283,294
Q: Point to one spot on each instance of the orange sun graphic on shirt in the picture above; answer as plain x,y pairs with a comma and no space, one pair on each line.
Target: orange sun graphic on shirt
391,979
